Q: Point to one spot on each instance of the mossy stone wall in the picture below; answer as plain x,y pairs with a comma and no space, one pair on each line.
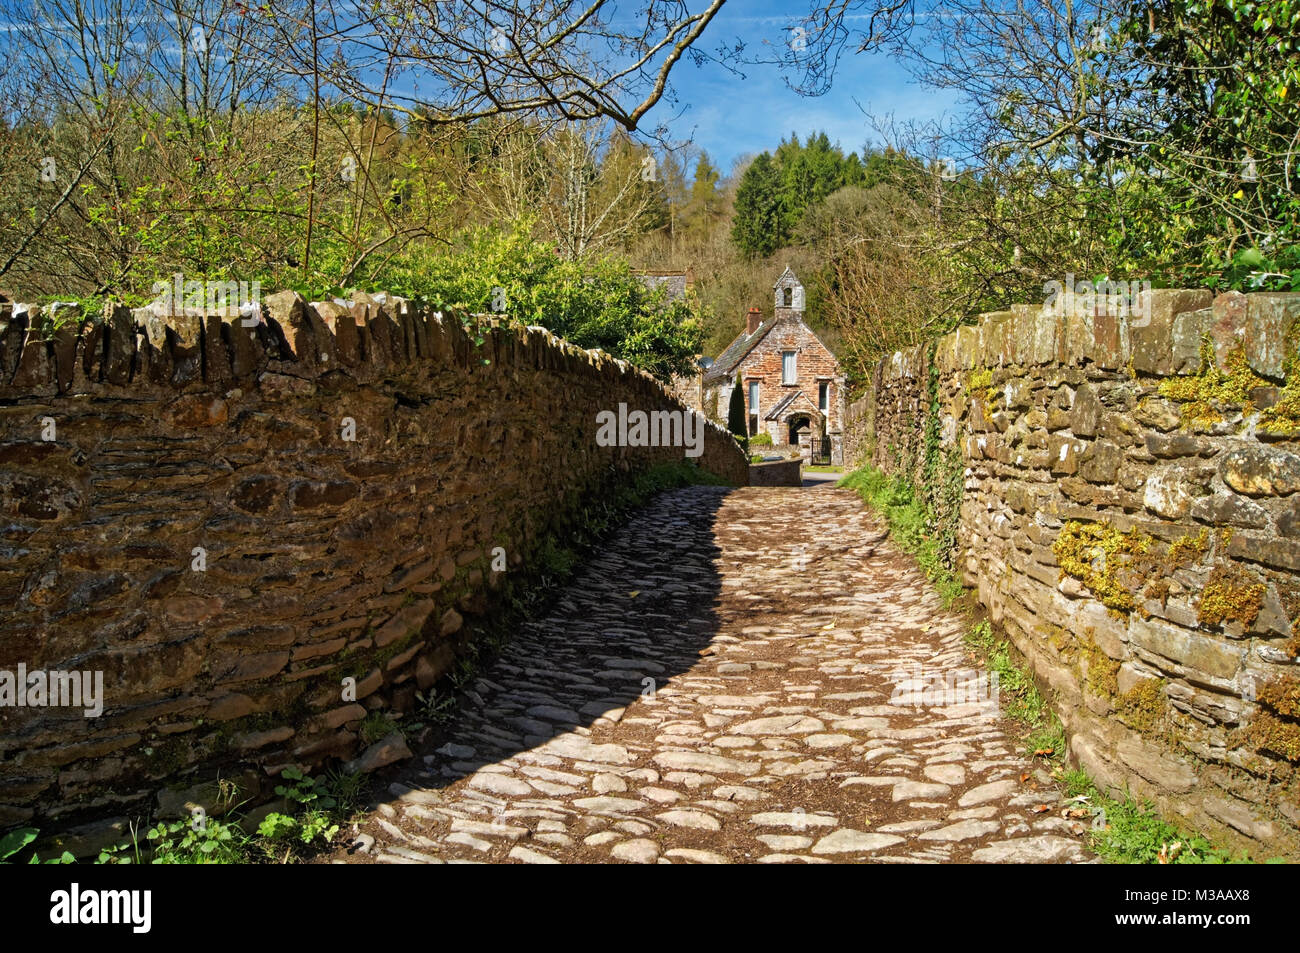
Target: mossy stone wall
1131,515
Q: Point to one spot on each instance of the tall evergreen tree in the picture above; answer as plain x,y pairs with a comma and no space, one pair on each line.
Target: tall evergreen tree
776,190
757,227
704,204
736,421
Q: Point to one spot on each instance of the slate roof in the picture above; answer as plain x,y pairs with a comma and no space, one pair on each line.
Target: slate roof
735,352
675,283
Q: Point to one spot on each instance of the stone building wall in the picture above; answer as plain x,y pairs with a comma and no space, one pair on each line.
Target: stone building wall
689,389
1131,517
228,521
813,364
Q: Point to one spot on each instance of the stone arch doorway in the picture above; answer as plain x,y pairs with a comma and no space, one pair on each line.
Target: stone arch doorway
798,425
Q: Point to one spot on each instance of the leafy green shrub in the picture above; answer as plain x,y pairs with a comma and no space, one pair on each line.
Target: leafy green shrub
316,822
13,842
195,841
596,304
307,828
309,792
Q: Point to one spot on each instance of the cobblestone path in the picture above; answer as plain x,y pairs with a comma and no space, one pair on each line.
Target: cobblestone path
734,679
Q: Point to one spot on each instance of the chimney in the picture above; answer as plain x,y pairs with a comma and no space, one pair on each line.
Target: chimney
753,320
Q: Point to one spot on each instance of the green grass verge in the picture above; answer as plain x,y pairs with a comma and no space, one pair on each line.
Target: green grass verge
1021,701
1135,833
911,525
317,808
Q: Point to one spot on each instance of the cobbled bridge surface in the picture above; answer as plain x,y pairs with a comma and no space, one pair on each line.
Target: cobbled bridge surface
721,683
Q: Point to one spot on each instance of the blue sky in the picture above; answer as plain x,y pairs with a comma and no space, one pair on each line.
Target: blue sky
728,116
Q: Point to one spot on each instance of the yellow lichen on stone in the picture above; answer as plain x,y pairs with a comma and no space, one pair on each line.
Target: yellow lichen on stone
1283,418
980,384
1103,671
1203,394
1268,733
1276,729
1095,553
1060,639
1230,595
1282,695
1189,549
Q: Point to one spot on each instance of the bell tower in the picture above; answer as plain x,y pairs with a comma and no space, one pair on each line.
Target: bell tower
789,302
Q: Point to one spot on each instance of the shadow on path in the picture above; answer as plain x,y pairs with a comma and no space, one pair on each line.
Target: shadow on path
749,675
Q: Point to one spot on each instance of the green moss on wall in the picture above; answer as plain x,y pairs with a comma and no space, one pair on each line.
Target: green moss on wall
1143,707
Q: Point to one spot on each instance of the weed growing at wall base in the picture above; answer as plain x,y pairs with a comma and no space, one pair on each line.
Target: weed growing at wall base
1120,830
1134,833
1021,700
911,525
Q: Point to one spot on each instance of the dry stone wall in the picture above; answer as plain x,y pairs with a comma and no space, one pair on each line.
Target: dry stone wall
859,431
1131,515
228,521
780,473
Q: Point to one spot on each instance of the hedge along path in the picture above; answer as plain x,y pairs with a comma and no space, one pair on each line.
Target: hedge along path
732,679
